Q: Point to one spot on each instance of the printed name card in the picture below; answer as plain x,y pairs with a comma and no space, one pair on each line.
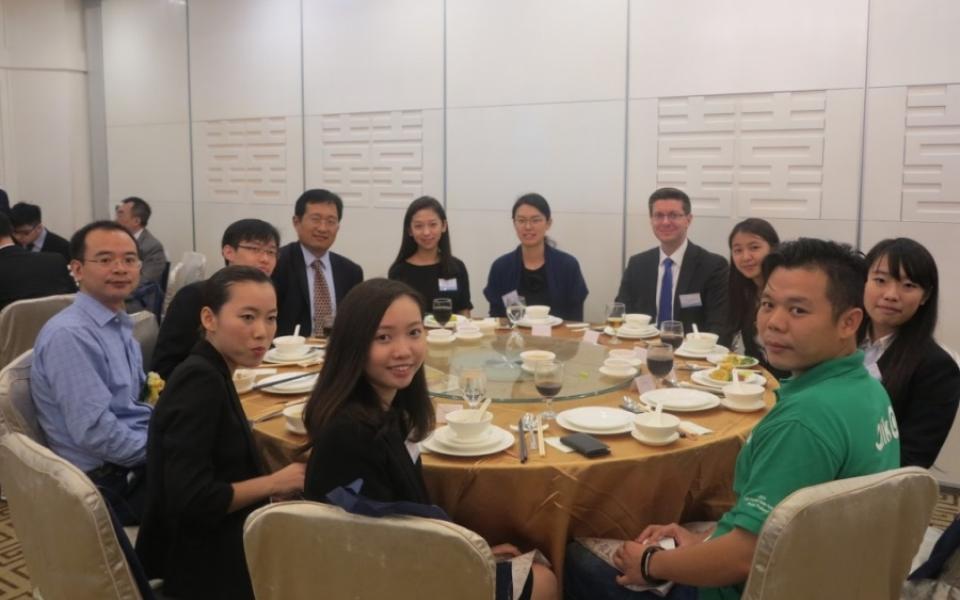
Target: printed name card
541,330
644,384
591,336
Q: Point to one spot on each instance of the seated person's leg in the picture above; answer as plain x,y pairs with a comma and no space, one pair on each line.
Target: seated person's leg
587,577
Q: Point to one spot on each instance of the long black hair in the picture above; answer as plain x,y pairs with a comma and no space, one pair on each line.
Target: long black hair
343,386
909,258
408,245
743,292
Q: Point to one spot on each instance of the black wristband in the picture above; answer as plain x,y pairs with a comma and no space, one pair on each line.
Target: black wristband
645,565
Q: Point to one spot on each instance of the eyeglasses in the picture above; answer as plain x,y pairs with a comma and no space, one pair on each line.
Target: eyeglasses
672,217
271,252
523,221
130,262
316,220
27,231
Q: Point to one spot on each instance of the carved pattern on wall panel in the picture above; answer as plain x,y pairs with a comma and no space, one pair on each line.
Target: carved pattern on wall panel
931,158
373,159
759,153
245,160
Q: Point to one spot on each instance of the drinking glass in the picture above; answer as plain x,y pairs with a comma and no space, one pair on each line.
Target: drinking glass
615,312
671,332
660,360
442,310
516,311
473,383
548,378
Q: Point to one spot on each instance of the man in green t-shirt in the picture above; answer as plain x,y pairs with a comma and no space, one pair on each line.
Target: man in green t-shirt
832,420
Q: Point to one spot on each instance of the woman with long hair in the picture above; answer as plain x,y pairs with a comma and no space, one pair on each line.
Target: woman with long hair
371,399
750,241
536,270
923,381
204,472
425,261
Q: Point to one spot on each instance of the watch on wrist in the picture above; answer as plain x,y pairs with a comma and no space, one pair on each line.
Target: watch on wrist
645,565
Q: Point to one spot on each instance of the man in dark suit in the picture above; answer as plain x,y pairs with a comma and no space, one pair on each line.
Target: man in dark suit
26,274
30,233
134,213
677,280
310,279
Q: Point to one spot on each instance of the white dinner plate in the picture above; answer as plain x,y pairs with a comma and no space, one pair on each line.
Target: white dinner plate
504,440
758,405
645,440
642,334
680,399
297,386
552,321
599,417
447,437
717,358
619,374
431,323
273,357
563,422
703,378
686,352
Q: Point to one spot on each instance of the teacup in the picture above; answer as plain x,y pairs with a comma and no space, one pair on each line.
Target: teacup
486,326
636,320
537,312
701,342
440,335
465,425
294,418
656,428
617,366
530,358
243,380
745,395
291,345
621,354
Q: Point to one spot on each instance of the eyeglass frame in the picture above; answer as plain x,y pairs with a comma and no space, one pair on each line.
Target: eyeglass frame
259,250
126,260
670,217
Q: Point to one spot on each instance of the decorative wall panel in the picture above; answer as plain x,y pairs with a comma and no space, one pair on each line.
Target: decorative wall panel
245,160
931,162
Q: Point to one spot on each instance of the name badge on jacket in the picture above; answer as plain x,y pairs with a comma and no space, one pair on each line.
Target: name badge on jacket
690,301
447,285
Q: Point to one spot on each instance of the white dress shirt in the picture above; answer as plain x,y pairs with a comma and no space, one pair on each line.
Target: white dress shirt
677,258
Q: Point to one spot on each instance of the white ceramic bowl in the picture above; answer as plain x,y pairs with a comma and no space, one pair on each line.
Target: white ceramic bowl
748,394
243,380
486,326
465,425
294,418
532,357
702,342
291,345
654,429
636,320
440,334
537,312
621,354
617,365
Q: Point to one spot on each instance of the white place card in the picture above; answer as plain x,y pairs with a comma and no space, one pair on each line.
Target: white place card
554,442
541,331
644,383
591,336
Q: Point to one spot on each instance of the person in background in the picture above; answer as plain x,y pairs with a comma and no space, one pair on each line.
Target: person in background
27,274
678,280
425,261
923,381
370,406
29,231
87,375
134,214
536,270
750,241
204,471
4,203
311,280
247,242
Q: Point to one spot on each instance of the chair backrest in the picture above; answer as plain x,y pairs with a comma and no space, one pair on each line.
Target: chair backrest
63,525
852,538
194,265
301,550
146,331
171,290
17,411
21,321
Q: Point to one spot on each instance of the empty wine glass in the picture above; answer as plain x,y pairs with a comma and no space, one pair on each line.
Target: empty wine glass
516,311
548,378
660,360
473,384
442,310
615,312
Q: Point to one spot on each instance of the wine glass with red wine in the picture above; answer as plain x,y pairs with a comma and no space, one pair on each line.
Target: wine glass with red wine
442,310
671,332
660,360
548,377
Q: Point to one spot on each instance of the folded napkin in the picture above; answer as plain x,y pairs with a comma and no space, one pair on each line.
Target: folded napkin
691,428
554,441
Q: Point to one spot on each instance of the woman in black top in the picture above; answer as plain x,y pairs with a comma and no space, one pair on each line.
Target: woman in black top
370,405
923,381
204,473
425,262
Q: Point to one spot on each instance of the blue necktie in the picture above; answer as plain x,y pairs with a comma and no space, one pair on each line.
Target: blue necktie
665,311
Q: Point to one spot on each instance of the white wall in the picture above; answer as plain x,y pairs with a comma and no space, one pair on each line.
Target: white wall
755,107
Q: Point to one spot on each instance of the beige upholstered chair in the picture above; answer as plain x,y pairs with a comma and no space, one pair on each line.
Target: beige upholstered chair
851,539
20,322
192,267
63,525
17,412
308,550
146,331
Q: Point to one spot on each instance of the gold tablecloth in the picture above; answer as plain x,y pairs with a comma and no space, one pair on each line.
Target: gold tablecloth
546,501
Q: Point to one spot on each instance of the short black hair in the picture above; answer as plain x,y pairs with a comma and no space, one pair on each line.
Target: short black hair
24,214
249,230
78,242
317,196
669,193
535,200
845,268
6,229
140,209
216,290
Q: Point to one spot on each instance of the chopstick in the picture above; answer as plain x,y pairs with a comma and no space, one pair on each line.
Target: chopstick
541,448
260,386
523,441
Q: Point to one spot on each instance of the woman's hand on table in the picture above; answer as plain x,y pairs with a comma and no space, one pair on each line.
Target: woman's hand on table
681,535
289,479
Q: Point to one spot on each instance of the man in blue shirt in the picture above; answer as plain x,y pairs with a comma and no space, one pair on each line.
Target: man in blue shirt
87,374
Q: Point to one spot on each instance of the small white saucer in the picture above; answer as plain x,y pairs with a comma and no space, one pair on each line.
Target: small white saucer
619,374
273,357
644,440
441,341
758,405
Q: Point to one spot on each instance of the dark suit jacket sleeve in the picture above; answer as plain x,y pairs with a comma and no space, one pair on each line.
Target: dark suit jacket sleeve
927,411
55,243
346,275
153,257
179,330
343,452
714,295
635,278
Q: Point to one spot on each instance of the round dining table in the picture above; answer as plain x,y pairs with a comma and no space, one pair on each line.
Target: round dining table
547,500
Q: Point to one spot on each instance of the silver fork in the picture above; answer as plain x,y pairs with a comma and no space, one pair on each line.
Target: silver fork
530,425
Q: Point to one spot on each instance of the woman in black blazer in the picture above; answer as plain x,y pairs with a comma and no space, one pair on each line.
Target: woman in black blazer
923,381
204,474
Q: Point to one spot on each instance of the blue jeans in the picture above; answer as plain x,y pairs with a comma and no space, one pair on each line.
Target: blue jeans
587,577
